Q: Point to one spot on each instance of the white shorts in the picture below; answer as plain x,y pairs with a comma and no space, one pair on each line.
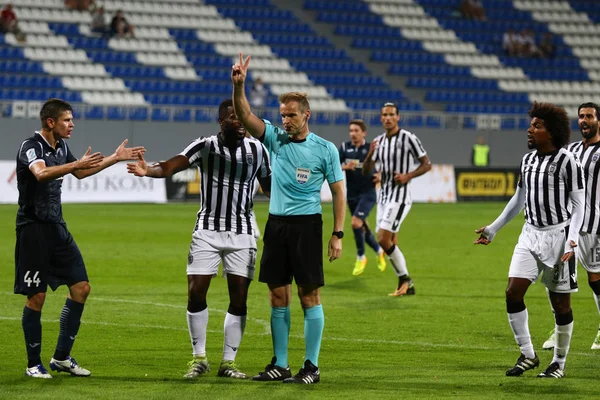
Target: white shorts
538,252
209,248
589,252
391,215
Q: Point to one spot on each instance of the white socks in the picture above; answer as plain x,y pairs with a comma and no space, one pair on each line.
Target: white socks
597,301
197,324
398,262
563,342
233,327
234,330
519,323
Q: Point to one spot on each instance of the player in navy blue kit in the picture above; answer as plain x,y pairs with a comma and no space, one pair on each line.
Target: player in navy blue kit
46,254
360,194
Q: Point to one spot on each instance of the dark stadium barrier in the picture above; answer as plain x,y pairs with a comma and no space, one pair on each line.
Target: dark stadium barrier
184,185
485,184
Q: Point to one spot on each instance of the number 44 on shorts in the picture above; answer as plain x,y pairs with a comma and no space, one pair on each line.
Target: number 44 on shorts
27,279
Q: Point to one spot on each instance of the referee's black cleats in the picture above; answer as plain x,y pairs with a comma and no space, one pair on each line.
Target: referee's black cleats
523,364
307,375
273,372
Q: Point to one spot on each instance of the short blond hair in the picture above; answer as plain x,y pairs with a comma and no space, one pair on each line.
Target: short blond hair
299,97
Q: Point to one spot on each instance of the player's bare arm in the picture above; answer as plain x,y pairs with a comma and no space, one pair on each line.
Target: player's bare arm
423,168
369,163
122,153
265,185
44,173
254,125
347,166
161,169
334,249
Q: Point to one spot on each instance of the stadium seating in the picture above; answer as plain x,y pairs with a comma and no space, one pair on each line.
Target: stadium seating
181,56
438,49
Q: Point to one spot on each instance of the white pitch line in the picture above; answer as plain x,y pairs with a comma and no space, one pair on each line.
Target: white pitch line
267,332
265,324
85,322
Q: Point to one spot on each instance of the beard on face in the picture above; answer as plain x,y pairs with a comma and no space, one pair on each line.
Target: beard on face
593,129
232,136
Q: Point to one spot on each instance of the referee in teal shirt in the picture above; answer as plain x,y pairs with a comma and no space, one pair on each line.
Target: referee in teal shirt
293,242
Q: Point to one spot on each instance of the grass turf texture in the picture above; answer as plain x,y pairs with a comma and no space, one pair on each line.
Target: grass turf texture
451,340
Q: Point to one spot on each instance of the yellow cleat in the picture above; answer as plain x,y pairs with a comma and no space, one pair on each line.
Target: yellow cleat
381,263
359,267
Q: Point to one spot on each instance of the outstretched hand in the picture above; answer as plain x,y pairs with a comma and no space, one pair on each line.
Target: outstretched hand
482,237
138,168
123,153
89,161
239,70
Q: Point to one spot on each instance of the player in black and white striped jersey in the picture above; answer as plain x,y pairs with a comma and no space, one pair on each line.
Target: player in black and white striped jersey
229,165
588,153
394,152
551,189
226,195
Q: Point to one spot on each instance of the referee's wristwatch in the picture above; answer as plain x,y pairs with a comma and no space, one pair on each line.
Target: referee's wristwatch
339,234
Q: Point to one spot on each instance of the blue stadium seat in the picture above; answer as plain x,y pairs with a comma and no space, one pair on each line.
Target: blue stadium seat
433,121
469,123
138,114
160,114
323,118
116,113
94,112
508,123
182,115
342,119
413,120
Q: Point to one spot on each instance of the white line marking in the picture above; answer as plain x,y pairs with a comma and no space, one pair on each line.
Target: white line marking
267,332
266,325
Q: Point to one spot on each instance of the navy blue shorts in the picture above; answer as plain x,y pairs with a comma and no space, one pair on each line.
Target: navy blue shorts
46,255
361,206
293,250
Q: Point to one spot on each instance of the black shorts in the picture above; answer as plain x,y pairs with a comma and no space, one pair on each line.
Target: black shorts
293,250
46,255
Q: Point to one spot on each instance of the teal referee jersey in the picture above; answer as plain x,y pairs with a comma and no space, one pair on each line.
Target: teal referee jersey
299,169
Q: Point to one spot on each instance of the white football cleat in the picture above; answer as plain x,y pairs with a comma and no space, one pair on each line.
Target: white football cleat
549,343
596,344
38,371
69,365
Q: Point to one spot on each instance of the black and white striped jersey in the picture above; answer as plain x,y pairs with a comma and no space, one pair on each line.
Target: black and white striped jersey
396,154
589,157
227,182
548,179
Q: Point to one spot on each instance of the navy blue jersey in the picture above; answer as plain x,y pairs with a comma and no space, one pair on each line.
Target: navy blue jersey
356,183
40,201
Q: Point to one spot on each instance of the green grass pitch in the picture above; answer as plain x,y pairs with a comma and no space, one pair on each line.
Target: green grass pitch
451,340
